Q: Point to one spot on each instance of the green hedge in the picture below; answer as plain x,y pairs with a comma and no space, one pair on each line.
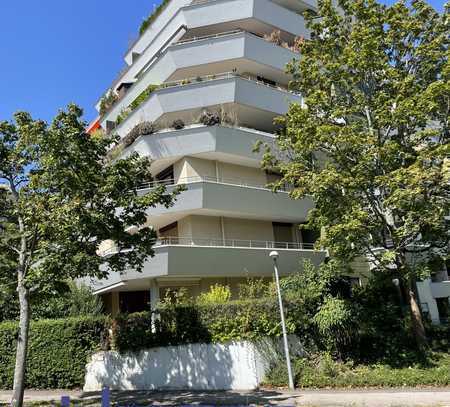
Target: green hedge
235,320
58,351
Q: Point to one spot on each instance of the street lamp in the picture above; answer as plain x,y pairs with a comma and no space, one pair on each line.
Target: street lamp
274,256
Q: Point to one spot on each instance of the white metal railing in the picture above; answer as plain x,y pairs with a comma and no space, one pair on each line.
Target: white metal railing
214,180
224,75
210,36
236,243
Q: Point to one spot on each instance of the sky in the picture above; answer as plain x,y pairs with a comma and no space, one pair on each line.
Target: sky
53,52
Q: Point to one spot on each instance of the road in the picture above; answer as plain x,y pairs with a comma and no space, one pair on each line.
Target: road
314,398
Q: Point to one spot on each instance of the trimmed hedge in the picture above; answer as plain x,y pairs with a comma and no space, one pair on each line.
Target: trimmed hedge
236,320
58,351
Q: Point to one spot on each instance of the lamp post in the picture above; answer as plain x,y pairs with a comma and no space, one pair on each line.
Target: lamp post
274,256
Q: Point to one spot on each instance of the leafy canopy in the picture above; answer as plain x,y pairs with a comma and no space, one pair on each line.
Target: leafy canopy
370,142
61,197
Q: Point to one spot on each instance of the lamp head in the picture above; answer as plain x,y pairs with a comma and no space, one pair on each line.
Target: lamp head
273,255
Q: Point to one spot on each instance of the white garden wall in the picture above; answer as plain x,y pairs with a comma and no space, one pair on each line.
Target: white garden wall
228,366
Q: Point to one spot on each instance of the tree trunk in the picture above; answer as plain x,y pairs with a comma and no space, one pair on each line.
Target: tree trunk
416,315
22,346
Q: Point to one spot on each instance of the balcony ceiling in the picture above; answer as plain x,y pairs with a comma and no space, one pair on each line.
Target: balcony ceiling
234,201
195,262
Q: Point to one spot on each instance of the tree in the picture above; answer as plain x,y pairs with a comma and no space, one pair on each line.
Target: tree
370,140
60,198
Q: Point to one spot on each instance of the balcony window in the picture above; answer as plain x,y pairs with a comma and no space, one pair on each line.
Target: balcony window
166,175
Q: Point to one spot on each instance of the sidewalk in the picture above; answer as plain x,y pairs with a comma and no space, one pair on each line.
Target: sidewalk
317,398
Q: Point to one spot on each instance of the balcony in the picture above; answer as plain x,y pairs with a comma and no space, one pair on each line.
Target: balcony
214,54
253,103
213,16
232,198
196,258
232,145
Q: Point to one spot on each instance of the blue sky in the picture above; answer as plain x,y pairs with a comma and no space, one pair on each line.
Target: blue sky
58,51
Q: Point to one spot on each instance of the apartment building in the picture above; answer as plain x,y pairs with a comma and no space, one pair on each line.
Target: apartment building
210,76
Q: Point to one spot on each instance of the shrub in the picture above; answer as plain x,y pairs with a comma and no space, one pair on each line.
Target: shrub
122,116
58,351
174,325
143,96
209,118
70,300
178,124
107,101
217,294
149,20
141,129
336,324
274,37
322,371
256,288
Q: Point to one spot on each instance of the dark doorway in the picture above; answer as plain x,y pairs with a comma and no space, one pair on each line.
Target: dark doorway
134,301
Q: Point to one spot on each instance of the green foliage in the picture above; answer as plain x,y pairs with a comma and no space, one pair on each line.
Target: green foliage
59,196
178,324
321,371
66,300
143,96
256,288
370,142
217,294
141,129
149,20
336,322
58,351
66,205
107,102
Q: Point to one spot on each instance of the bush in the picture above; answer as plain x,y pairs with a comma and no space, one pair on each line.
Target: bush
178,124
180,324
69,300
320,371
58,351
149,20
256,288
210,118
143,96
141,129
107,101
217,294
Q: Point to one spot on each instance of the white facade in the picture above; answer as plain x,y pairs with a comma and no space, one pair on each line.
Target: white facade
226,57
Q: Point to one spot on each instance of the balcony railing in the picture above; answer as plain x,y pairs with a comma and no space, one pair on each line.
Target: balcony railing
229,243
213,180
236,243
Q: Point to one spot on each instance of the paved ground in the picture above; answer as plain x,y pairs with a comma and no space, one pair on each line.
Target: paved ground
319,398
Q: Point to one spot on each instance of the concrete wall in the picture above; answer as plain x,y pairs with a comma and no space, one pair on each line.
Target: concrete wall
196,167
210,227
248,229
228,366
